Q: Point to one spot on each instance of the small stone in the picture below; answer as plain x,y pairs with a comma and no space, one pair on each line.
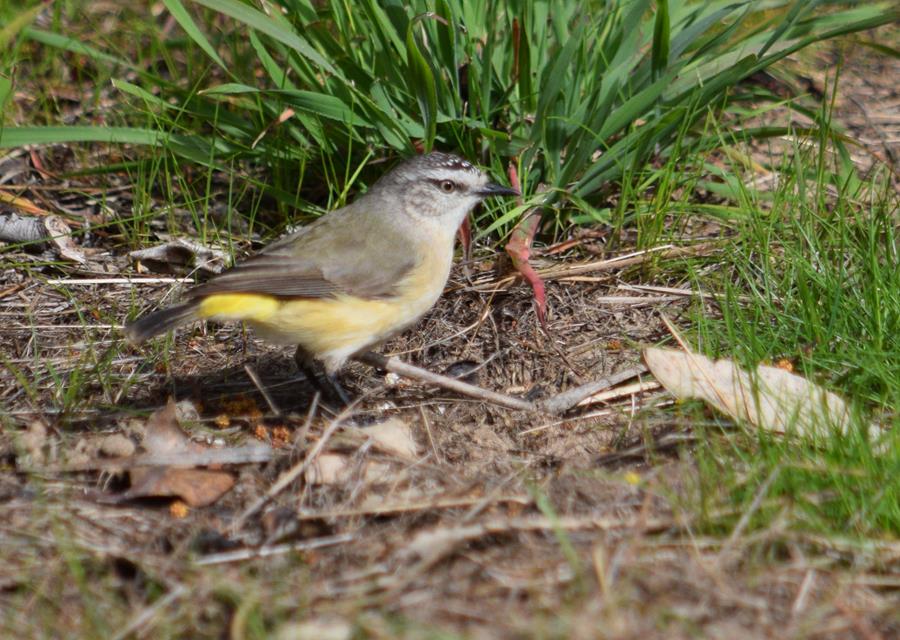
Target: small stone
324,628
33,440
117,446
82,453
186,411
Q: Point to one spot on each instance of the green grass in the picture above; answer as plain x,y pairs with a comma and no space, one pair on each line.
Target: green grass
579,95
811,275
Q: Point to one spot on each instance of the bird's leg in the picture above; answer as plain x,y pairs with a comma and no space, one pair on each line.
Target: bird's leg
326,383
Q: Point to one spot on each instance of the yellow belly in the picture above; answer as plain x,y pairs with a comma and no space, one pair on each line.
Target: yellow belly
318,324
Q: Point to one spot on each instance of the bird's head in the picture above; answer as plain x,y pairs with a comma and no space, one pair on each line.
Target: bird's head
439,186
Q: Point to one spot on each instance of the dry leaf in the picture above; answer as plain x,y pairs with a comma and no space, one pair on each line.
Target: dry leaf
82,453
186,411
768,397
61,236
22,204
163,435
180,256
16,228
196,487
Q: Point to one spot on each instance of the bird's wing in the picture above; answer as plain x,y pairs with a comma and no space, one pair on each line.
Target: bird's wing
323,260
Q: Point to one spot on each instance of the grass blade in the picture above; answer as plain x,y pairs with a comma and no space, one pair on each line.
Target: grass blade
177,10
9,32
264,24
659,57
422,79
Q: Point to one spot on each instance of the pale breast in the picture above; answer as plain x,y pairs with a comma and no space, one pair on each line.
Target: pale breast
421,288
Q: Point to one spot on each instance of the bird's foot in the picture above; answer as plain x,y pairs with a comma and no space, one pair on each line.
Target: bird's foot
326,383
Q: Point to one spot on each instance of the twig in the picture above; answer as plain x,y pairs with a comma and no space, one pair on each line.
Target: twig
423,375
265,552
251,372
557,404
619,262
805,587
307,423
150,612
567,399
437,456
633,389
550,425
298,469
407,507
123,281
247,454
424,543
750,511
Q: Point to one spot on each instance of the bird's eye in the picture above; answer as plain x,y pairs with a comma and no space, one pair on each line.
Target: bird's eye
447,186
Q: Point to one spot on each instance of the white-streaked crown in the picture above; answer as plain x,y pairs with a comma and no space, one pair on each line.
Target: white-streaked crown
434,185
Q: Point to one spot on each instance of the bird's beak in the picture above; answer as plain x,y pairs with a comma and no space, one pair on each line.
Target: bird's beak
493,189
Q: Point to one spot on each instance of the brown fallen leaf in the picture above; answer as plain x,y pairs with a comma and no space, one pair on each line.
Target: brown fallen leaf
329,468
767,397
23,204
196,487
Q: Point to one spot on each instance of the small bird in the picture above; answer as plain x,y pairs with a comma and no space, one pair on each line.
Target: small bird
353,278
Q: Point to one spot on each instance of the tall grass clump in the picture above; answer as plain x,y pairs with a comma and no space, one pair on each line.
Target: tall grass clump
578,94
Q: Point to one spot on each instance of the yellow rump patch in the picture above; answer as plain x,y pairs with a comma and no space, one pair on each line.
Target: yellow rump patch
239,306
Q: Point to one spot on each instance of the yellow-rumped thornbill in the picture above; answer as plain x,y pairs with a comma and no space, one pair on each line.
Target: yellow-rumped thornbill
353,278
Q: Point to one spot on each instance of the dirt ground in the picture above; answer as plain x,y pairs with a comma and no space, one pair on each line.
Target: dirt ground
497,524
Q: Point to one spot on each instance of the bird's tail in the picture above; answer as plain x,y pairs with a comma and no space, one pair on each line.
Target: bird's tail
160,321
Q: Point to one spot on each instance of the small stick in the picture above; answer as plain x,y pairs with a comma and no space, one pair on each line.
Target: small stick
265,552
633,389
409,507
559,403
559,272
251,372
437,456
146,616
247,454
423,375
567,399
123,281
